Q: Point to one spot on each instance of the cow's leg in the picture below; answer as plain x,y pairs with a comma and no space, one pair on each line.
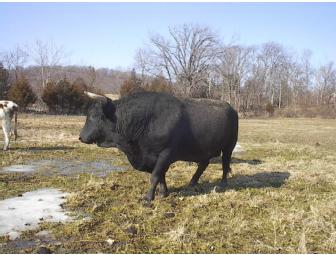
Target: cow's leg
158,174
6,127
200,169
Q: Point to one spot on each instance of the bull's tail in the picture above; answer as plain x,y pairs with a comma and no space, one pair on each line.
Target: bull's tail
15,123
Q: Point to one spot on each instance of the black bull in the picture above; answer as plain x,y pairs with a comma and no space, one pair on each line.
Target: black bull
155,130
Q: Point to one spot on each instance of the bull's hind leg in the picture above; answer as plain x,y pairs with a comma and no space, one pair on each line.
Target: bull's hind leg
200,169
226,160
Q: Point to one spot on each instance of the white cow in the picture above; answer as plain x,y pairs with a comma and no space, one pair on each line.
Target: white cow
8,109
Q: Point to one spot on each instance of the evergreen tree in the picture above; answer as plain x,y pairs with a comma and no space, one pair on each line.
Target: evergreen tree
21,93
49,96
131,85
66,97
3,82
80,102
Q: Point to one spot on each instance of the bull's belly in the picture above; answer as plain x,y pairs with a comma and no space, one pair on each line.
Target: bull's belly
144,162
196,155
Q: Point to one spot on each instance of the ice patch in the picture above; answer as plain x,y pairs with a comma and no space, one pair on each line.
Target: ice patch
19,168
27,211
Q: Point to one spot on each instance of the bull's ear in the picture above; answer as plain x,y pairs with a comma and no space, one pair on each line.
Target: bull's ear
96,96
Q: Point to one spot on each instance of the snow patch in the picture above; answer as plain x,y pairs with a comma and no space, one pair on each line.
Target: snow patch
27,211
238,148
19,168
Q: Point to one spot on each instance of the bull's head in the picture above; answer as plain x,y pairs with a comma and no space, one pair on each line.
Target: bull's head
100,122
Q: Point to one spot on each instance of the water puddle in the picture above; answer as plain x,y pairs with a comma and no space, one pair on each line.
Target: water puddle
19,244
31,208
65,167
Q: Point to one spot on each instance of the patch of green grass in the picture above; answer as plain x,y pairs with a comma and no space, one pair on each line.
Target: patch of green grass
280,198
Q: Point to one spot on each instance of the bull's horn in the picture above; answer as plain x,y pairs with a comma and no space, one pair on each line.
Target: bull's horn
95,96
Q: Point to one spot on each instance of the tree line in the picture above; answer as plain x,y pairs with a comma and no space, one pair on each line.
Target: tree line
63,96
192,61
197,63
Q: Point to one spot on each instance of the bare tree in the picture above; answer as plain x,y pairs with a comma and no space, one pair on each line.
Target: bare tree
15,61
308,73
92,75
47,56
234,65
299,78
184,58
326,83
148,66
255,85
276,61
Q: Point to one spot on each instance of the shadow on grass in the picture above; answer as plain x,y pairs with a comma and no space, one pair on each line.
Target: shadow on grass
237,182
234,160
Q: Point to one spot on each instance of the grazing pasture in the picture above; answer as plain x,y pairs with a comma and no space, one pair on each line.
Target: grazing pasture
281,195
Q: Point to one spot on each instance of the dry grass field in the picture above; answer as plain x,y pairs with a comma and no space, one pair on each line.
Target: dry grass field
281,196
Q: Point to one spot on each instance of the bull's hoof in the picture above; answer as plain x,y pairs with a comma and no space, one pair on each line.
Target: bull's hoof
220,187
163,194
146,202
192,184
147,198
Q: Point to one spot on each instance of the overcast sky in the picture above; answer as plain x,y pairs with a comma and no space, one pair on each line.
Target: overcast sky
108,34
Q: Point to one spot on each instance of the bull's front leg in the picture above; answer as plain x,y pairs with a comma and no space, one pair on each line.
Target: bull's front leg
158,175
200,169
163,186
